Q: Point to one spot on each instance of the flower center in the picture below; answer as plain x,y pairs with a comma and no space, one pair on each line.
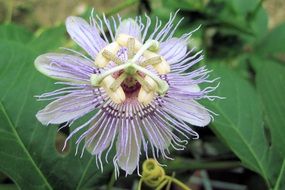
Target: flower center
130,78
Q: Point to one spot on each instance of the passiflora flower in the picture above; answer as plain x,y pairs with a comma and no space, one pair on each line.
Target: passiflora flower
136,82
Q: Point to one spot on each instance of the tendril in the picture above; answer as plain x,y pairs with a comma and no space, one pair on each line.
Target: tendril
153,175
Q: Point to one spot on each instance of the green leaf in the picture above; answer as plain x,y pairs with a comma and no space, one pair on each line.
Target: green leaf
48,39
16,159
260,23
280,183
11,32
28,151
189,5
240,124
243,7
271,87
273,42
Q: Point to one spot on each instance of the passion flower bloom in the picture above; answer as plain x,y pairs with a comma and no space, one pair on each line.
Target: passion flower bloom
135,85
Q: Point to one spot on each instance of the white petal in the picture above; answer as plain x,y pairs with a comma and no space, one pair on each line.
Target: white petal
173,50
64,67
85,35
65,109
129,158
129,27
191,111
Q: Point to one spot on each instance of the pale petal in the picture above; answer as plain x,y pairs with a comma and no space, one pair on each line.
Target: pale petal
129,27
173,50
190,111
157,133
85,35
128,144
192,88
99,138
64,67
65,109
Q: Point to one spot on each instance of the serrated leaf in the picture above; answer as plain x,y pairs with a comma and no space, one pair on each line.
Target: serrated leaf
240,124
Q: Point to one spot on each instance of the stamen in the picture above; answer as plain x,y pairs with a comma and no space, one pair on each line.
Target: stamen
122,40
101,61
110,56
146,86
97,79
162,85
151,45
117,83
131,47
151,61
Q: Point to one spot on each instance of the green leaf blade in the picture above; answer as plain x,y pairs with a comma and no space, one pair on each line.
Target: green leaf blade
240,123
271,87
18,152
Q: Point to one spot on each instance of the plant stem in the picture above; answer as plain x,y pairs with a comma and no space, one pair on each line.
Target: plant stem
194,165
112,181
9,6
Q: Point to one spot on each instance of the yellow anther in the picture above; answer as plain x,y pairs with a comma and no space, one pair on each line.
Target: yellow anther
117,83
131,47
117,96
144,96
101,60
162,67
122,39
112,57
153,175
144,83
151,61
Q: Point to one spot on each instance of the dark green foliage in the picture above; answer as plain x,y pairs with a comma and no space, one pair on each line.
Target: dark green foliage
239,48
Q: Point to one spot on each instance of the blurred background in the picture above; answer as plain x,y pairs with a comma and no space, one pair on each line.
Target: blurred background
243,43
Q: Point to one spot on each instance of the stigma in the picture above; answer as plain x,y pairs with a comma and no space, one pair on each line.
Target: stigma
130,79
